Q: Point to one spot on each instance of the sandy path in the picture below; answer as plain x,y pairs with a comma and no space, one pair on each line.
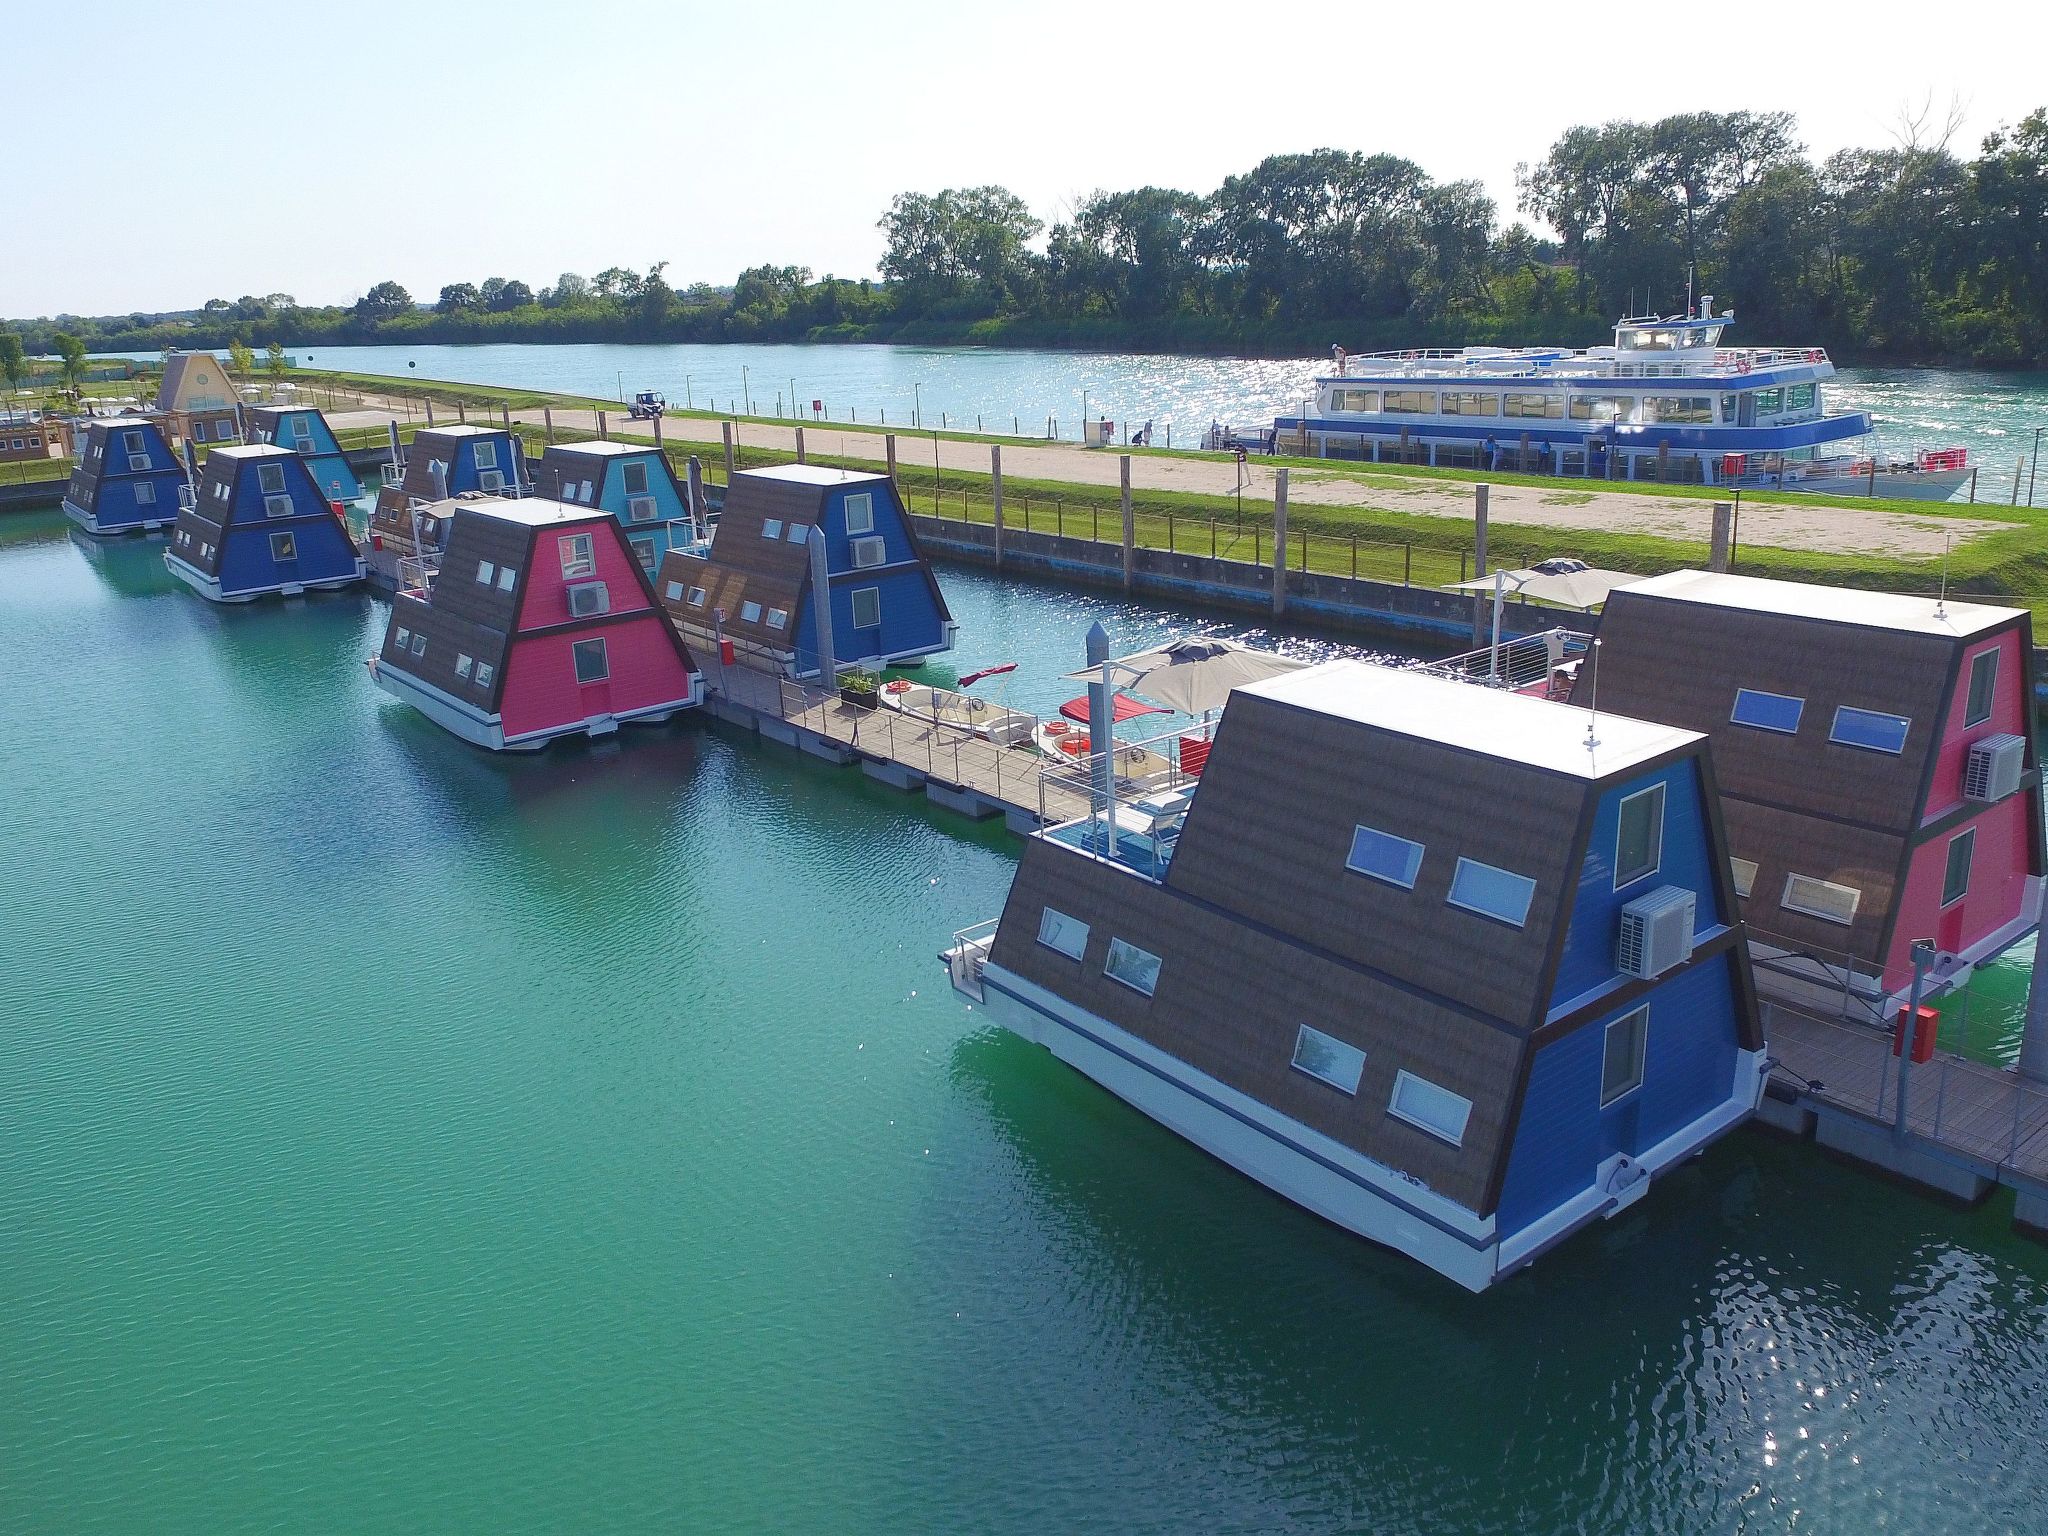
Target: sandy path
1569,506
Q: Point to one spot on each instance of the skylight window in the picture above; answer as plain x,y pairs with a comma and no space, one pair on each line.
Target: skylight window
1497,893
1767,711
1384,856
1870,729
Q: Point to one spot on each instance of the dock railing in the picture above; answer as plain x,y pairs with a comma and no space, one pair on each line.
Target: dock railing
968,953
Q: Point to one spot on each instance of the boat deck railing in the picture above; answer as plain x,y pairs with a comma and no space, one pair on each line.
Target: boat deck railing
416,574
1542,664
968,953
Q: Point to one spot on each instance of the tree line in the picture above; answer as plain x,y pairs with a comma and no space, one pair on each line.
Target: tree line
1906,252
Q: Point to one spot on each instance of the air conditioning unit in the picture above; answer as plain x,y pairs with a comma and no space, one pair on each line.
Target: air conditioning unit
869,552
1994,767
588,599
277,506
490,480
640,509
138,461
1656,932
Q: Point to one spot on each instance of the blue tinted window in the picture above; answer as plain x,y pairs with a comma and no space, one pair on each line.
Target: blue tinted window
1384,857
1495,892
1870,728
1767,711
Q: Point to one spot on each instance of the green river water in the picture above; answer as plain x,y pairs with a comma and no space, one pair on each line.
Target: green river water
397,1138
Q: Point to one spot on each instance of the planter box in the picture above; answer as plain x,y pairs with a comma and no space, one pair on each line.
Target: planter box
864,700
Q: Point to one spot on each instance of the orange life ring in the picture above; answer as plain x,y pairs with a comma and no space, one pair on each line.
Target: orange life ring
1057,727
897,685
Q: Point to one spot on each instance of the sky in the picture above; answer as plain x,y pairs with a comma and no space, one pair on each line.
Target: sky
227,148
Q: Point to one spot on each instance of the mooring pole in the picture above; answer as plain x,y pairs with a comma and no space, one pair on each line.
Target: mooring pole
693,480
1717,555
725,428
1279,541
1130,527
1923,953
821,612
1480,493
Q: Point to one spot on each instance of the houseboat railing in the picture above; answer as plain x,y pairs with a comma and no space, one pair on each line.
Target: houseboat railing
1541,663
416,575
968,954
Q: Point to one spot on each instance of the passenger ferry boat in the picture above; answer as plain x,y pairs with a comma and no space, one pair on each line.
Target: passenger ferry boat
1666,401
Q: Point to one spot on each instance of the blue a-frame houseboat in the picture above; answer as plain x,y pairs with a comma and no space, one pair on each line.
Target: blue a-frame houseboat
126,480
633,481
257,526
304,430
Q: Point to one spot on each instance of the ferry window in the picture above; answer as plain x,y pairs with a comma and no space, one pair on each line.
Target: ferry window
696,597
1491,892
674,592
592,665
771,528
1543,407
867,607
1355,400
777,617
486,455
462,664
1465,402
1132,966
145,494
1384,857
643,551
484,572
1680,408
750,613
506,576
1060,932
1955,881
577,556
635,477
484,673
1767,711
1769,401
1621,1061
1411,402
799,533
1602,407
1802,397
1745,876
1639,836
860,513
1430,1107
404,638
1821,898
283,547
1328,1059
1983,687
1728,408
1871,729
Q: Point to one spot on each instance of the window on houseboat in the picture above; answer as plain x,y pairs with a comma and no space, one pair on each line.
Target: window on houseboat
1602,407
771,527
131,443
484,673
198,431
592,665
1870,728
1769,401
1430,1107
1465,402
1679,408
696,597
283,547
777,617
1745,876
484,572
1057,931
643,551
486,455
1983,687
463,664
860,513
1767,711
1541,407
750,613
1384,857
419,644
867,607
577,556
1132,966
1639,836
506,576
799,533
404,639
1802,397
1821,898
1621,1062
673,591
1410,402
1955,881
635,478
271,478
1355,400
145,494
583,493
1491,892
1329,1059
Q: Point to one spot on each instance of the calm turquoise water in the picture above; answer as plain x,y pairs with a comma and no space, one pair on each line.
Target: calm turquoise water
394,1137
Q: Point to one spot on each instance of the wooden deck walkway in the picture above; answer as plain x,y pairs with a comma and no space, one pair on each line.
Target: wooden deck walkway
1987,1119
954,767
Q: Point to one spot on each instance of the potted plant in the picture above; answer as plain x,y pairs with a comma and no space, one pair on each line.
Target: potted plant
861,688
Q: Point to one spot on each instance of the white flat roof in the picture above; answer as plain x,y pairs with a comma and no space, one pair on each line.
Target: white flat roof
534,511
463,428
1515,727
1835,605
605,446
810,474
254,451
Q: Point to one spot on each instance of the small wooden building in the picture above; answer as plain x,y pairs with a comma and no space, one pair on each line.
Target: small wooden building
1420,959
1876,759
632,481
126,478
259,525
31,436
443,462
304,430
752,586
538,624
197,400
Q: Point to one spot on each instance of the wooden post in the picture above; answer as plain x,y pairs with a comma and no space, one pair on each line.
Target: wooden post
800,445
725,427
995,487
657,429
1717,556
547,417
1479,567
1130,526
1522,455
1279,542
508,414
693,487
889,440
430,409
600,426
461,412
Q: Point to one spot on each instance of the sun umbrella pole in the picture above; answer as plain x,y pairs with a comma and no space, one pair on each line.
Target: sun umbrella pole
1499,596
1102,761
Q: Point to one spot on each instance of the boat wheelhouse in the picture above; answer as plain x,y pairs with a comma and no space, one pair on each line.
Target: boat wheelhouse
126,478
1876,760
258,525
440,463
1665,402
536,622
304,430
196,401
632,481
751,583
1437,962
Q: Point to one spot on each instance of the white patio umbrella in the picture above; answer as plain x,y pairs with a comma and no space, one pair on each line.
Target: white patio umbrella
1568,583
1192,675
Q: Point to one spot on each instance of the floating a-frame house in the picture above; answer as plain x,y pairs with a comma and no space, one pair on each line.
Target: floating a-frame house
257,526
442,462
538,624
632,481
126,478
196,400
1415,955
887,608
1876,761
304,430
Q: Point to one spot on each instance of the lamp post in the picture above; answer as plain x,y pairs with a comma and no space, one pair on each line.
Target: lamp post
2033,465
689,399
1084,416
746,390
917,404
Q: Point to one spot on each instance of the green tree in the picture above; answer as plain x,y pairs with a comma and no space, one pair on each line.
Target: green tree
13,361
457,297
71,357
386,301
570,290
510,296
241,361
273,359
